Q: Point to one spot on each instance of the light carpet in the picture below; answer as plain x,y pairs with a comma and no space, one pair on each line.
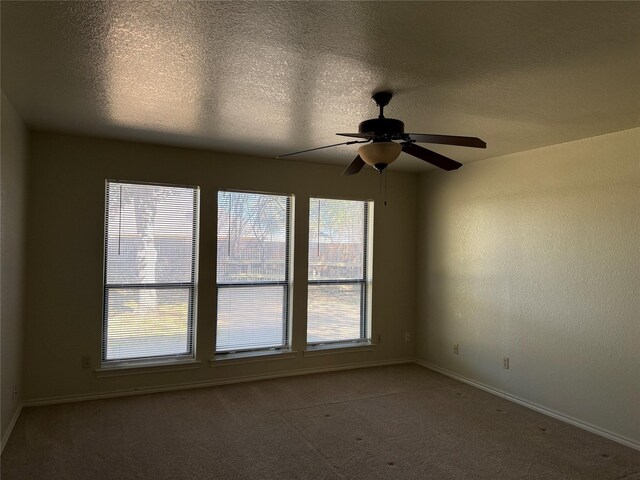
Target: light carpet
396,422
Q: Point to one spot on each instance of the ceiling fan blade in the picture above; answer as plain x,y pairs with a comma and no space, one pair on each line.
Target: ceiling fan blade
312,149
320,148
429,156
448,140
354,167
355,135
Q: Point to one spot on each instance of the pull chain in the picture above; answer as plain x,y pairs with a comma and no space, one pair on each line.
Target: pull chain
385,188
383,173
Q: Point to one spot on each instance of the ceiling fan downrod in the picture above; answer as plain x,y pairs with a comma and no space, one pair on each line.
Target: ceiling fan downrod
382,99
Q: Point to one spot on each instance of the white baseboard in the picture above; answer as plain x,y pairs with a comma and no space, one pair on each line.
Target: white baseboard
209,383
534,406
12,423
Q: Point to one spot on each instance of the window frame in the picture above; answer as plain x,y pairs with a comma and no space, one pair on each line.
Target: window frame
191,287
287,284
366,282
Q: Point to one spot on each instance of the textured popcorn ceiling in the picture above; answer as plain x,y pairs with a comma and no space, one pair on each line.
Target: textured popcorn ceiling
265,78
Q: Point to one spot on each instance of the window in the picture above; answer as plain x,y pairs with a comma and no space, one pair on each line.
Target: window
253,272
339,271
151,234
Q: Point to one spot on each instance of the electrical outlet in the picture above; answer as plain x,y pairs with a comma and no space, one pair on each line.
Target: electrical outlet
407,336
85,361
455,349
14,392
505,363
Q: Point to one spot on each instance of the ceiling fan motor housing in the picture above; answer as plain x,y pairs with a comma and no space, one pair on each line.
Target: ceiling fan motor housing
382,129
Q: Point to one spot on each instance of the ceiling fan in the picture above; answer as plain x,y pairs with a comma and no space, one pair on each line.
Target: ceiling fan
381,149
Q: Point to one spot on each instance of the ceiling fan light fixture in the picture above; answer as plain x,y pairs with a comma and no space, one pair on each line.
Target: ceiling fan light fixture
380,154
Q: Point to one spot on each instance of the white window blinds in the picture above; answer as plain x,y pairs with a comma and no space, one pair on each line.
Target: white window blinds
151,237
339,271
253,271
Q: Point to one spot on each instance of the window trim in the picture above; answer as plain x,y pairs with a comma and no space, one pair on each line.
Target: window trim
251,356
363,342
156,360
287,284
136,368
332,348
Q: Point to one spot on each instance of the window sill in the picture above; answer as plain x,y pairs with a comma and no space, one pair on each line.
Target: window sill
135,368
334,348
221,359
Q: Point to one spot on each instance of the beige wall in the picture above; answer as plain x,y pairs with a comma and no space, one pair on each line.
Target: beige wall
13,178
536,256
65,256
